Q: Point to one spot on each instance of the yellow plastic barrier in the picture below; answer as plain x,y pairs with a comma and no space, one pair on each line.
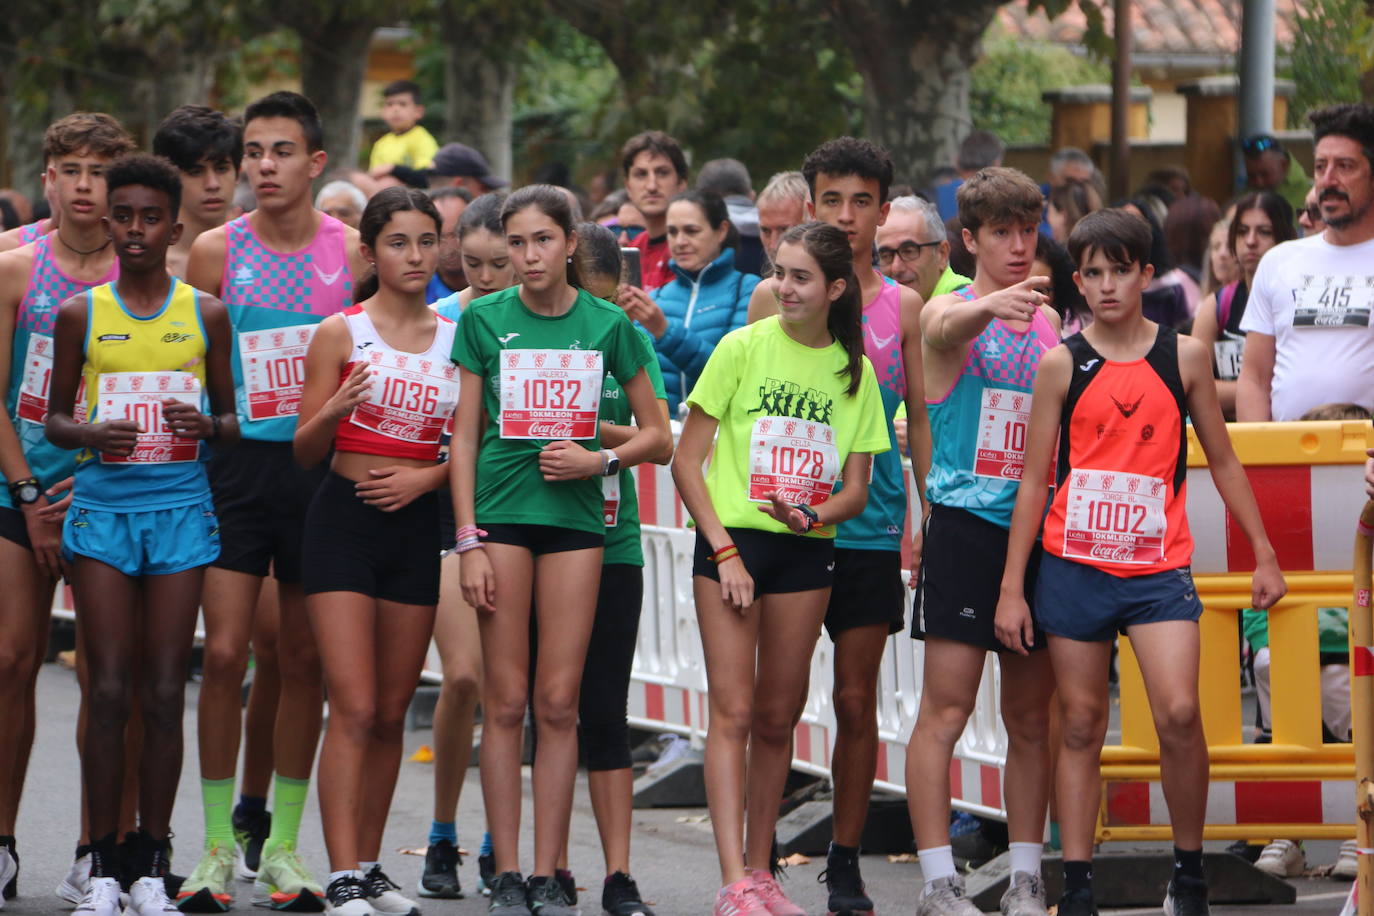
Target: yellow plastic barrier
1362,705
1308,479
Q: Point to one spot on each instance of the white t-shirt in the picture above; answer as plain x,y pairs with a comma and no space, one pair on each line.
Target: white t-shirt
1315,300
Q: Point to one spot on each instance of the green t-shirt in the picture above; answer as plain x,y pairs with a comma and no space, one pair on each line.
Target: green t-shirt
949,281
543,379
785,422
623,545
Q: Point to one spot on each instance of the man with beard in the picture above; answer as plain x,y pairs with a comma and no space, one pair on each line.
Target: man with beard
1308,335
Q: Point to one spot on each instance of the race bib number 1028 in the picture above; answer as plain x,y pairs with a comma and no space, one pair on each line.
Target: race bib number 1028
796,459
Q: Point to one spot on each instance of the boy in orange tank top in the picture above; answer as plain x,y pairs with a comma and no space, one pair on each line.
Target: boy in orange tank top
1117,396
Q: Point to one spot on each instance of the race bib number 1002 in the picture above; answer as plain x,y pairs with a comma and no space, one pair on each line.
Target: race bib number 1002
550,394
794,458
273,363
1114,517
138,396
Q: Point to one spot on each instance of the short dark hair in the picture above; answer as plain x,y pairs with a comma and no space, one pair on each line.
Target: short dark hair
293,105
653,141
998,196
725,177
1123,237
1354,120
402,87
980,150
192,133
849,156
92,132
150,171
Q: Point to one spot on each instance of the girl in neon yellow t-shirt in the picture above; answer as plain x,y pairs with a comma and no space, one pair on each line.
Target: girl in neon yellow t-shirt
793,406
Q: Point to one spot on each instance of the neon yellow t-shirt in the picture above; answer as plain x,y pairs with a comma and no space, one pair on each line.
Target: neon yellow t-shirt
786,423
414,148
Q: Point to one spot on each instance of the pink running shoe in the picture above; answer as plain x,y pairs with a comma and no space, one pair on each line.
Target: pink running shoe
769,891
740,899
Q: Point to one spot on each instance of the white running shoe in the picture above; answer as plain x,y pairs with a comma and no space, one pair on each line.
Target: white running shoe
77,882
1348,864
385,897
1282,859
8,869
101,898
148,897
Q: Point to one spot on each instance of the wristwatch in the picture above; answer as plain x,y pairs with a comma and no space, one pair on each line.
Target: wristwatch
813,520
26,492
610,463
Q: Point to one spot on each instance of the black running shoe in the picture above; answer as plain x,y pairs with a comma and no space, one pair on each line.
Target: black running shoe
568,883
348,897
486,873
846,886
251,829
1186,897
440,877
509,896
620,897
546,898
1077,903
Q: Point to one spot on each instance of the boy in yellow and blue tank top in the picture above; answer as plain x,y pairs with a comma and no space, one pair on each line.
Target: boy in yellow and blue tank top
153,352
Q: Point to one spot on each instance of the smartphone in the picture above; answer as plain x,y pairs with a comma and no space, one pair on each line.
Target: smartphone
629,267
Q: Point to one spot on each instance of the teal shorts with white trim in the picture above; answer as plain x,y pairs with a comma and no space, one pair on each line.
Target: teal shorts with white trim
158,542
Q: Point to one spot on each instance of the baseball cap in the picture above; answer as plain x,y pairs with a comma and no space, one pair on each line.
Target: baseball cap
461,161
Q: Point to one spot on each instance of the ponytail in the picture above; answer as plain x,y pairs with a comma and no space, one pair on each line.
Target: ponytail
829,248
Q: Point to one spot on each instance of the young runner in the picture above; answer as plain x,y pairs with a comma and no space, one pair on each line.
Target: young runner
147,352
1117,396
380,385
797,406
29,232
533,358
981,346
34,281
281,270
206,147
488,266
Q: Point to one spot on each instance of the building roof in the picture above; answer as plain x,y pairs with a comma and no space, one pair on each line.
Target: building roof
1166,31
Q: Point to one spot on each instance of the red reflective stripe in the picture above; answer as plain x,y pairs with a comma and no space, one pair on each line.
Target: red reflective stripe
1363,658
1128,803
956,779
1278,803
653,702
992,786
648,494
1284,494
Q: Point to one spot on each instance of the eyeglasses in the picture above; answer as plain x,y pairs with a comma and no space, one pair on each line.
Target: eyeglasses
1256,145
907,251
631,232
1313,212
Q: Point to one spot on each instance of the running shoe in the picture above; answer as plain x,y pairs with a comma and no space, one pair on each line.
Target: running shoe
620,897
1025,895
508,896
284,883
73,887
11,886
1348,864
148,897
348,897
770,892
1282,859
547,897
251,829
845,886
946,897
568,883
739,899
1077,903
440,877
1186,897
384,895
100,899
486,873
209,889
9,867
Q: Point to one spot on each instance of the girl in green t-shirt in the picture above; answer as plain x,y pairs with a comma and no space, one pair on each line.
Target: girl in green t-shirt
526,465
796,407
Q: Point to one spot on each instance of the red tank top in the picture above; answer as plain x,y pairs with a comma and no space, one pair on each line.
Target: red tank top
413,394
1120,504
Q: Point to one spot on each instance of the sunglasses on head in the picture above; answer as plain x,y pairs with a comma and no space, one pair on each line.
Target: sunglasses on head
1256,145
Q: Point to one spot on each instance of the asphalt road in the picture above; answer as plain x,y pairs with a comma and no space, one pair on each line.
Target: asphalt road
673,855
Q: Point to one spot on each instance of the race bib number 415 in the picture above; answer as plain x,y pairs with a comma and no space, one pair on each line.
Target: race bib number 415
273,363
138,396
1333,307
795,458
550,394
1113,517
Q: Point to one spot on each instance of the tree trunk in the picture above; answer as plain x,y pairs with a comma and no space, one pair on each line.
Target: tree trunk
333,63
479,83
914,56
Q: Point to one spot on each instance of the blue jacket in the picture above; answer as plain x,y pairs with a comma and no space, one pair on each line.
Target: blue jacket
700,311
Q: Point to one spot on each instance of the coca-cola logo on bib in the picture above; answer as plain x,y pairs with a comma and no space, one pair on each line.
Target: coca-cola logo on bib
551,430
1119,553
161,453
793,496
288,407
565,360
400,430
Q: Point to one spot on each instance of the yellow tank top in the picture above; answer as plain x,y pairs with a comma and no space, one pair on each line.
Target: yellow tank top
132,365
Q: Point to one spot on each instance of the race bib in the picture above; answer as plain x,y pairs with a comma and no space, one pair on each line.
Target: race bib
273,363
1333,307
34,387
138,396
1114,517
1228,352
412,399
550,394
610,500
1000,450
796,458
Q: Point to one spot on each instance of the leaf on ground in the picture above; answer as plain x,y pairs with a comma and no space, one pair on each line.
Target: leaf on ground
904,858
423,754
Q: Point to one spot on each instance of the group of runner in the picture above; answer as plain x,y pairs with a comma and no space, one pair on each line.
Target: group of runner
276,399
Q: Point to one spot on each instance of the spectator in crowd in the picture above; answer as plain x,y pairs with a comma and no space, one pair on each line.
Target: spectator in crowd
655,170
961,260
9,217
605,211
1069,202
1070,163
1173,177
1061,294
1270,167
464,167
1165,299
1186,230
406,142
449,277
1310,216
343,201
980,150
914,251
730,179
1219,266
782,205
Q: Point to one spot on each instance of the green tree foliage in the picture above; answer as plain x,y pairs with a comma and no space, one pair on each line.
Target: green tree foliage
1331,46
1008,82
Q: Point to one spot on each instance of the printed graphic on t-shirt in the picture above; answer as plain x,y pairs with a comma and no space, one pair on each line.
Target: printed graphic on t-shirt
1333,302
781,398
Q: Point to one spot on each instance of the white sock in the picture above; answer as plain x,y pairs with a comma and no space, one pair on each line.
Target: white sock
365,867
1026,857
346,873
936,862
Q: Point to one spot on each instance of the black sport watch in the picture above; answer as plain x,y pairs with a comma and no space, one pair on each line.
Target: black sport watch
26,492
813,520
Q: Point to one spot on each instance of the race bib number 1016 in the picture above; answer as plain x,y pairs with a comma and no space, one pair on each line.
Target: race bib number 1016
138,396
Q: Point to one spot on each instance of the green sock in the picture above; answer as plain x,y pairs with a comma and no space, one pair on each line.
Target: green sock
217,796
288,802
